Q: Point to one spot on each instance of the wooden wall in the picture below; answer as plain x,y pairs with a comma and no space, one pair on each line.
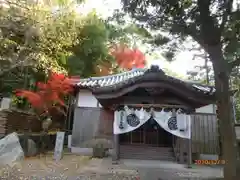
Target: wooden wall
106,124
205,135
85,124
91,123
204,140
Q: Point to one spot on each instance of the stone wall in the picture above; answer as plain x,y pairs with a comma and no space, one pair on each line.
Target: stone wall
19,121
2,124
22,122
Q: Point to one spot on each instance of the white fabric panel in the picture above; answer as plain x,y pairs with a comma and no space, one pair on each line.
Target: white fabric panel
181,122
141,114
179,126
185,121
163,119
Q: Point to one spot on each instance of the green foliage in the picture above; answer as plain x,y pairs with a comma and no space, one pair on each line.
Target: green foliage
235,84
18,102
94,40
34,40
91,49
28,45
207,22
140,30
214,25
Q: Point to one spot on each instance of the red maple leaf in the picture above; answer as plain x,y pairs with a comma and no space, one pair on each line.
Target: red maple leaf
103,69
49,94
34,98
128,58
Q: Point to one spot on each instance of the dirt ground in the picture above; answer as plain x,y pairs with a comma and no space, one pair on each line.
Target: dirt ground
69,167
73,167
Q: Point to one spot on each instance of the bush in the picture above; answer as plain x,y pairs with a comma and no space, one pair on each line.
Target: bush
100,147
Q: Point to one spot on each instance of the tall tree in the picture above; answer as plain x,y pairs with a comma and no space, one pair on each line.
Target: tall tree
214,25
32,39
36,38
91,54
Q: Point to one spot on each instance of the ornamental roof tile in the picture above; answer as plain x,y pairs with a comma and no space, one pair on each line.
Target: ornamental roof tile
117,79
110,80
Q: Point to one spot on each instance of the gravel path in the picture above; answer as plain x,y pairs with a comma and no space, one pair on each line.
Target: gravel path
166,174
82,168
69,168
161,170
84,176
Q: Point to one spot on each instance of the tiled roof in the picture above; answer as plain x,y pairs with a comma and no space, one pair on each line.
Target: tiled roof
111,80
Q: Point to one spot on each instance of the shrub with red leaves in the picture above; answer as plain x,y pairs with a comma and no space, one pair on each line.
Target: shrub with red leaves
50,94
128,58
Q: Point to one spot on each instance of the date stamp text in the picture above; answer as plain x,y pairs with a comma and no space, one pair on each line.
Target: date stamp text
210,162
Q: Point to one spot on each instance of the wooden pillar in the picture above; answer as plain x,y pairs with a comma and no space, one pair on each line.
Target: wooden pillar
219,133
189,153
181,151
186,148
190,143
115,155
173,136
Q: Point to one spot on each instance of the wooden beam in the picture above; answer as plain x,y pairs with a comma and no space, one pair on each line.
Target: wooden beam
182,91
155,106
154,100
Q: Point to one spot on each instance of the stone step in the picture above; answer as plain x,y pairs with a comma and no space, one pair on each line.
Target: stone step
165,149
146,153
162,158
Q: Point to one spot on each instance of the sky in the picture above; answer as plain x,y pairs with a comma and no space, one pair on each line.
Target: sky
183,62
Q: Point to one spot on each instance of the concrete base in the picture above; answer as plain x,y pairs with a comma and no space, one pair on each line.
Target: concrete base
152,164
82,151
115,162
87,151
209,157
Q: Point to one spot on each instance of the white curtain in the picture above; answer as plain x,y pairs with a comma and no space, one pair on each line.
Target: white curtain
128,120
179,126
184,126
122,125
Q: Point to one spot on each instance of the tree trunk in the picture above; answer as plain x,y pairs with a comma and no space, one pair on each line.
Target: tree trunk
207,69
226,123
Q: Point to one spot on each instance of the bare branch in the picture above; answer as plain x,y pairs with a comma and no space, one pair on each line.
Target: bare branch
195,49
